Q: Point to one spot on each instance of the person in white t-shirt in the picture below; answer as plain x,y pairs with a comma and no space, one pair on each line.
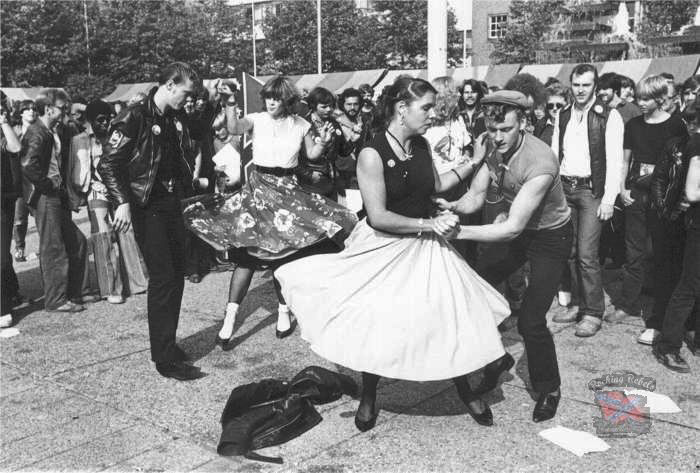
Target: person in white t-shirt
272,219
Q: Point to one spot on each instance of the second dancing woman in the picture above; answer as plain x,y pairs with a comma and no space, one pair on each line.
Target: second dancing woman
399,301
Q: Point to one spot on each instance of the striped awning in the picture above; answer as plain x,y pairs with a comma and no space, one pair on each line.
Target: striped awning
336,82
124,92
391,76
16,94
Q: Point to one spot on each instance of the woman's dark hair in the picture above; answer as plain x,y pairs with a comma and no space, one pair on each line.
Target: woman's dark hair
476,87
405,89
281,88
530,86
366,89
319,95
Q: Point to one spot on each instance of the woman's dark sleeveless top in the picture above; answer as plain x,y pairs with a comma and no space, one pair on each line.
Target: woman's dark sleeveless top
409,184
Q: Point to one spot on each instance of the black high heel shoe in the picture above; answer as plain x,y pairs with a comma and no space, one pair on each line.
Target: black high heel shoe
484,418
492,372
365,425
284,334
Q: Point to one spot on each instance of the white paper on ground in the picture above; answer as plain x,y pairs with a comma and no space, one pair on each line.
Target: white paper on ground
657,403
230,160
8,332
575,441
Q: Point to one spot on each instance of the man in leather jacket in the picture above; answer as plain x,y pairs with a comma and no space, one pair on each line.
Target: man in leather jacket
62,246
146,171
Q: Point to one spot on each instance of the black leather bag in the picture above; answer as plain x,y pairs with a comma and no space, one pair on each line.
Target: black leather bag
272,412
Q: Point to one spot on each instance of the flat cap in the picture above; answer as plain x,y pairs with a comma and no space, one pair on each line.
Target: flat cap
507,97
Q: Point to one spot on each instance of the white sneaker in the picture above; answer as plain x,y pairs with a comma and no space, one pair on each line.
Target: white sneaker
648,336
115,299
564,298
6,321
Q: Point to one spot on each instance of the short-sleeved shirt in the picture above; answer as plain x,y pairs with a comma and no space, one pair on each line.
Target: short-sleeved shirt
647,140
533,158
276,142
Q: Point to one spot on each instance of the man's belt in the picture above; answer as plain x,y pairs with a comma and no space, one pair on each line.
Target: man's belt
577,181
279,172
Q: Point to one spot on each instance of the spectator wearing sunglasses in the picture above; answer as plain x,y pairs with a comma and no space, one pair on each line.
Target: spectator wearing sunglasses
112,250
62,246
557,98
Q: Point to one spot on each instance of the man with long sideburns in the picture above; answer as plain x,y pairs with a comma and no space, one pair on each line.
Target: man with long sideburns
523,171
146,172
588,142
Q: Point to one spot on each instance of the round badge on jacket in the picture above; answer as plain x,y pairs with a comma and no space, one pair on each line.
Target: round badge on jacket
155,129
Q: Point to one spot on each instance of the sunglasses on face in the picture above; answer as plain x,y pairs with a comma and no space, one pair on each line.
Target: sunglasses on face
32,108
555,106
102,119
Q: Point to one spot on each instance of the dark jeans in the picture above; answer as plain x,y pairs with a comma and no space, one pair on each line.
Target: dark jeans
10,286
584,264
21,222
62,252
667,243
160,232
547,252
685,296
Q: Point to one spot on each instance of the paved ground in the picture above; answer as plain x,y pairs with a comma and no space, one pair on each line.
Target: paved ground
78,392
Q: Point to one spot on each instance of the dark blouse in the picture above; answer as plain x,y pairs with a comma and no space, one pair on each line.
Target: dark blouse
410,183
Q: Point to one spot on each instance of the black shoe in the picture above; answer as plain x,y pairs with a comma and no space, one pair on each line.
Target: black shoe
672,361
483,418
179,370
223,342
492,372
546,407
284,334
365,425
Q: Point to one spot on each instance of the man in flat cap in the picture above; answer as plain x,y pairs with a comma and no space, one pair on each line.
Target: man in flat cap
524,172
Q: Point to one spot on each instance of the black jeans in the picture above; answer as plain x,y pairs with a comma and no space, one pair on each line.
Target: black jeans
547,251
160,232
62,252
686,295
10,286
667,239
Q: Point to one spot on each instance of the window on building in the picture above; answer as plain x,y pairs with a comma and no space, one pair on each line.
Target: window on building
497,26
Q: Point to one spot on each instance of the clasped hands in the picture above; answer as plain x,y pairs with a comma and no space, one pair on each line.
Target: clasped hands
445,224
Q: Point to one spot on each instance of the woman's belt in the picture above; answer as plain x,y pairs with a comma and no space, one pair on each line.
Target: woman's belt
279,172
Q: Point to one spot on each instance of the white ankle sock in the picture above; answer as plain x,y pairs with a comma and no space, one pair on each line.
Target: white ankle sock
564,298
229,321
283,322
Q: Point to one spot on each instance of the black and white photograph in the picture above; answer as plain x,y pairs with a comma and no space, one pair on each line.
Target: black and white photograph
329,236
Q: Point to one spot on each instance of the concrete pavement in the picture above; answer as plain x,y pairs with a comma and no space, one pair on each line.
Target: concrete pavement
79,393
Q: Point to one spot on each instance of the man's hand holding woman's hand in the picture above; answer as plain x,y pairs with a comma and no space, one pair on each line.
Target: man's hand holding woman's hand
445,224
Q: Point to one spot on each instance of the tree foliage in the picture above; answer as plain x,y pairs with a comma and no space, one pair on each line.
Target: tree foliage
528,21
44,41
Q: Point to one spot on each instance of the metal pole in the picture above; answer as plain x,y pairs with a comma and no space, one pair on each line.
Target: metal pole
437,38
464,47
318,35
87,37
255,62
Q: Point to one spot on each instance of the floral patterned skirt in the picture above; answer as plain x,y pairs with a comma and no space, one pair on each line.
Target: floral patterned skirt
271,218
